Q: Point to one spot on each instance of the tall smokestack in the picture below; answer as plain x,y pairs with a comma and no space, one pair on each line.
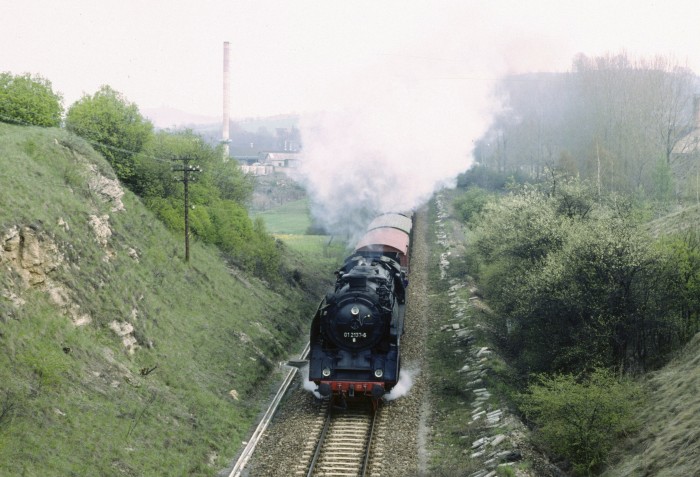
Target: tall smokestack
227,103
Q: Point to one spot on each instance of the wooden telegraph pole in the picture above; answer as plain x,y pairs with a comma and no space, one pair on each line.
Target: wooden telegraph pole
186,169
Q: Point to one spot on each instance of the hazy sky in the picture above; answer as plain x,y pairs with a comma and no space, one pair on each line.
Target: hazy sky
306,55
405,86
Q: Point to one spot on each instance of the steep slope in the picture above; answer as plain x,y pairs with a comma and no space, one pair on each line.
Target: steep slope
669,441
679,221
116,357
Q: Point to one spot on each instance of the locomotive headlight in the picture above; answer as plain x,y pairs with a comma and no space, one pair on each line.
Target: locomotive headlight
326,372
378,373
354,311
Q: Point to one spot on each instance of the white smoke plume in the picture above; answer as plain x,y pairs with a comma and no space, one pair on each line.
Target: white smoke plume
404,385
406,128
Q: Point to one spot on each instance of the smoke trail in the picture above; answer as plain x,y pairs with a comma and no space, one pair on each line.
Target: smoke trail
403,386
408,130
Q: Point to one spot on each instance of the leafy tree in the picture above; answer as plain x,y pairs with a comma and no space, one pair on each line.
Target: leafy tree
217,196
471,203
218,179
610,119
27,99
581,419
662,178
575,283
519,228
114,126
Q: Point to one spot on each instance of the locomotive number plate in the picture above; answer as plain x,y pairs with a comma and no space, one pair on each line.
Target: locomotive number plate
354,334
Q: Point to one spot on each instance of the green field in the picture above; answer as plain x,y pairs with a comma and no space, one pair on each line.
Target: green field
290,218
290,222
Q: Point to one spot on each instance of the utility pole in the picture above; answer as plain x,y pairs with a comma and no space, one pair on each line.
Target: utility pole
186,169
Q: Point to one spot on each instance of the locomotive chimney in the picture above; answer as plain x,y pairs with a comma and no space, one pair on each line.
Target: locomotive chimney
227,103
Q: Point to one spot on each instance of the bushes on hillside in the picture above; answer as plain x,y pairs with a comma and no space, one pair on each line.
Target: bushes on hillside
581,419
144,161
115,127
29,100
576,283
217,194
470,204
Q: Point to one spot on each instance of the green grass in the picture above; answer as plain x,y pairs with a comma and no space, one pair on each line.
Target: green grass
669,442
676,222
72,400
289,218
319,247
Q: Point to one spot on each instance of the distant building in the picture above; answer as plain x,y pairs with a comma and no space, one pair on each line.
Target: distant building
289,160
269,162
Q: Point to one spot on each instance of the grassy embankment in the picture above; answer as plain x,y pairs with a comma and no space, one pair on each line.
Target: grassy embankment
73,401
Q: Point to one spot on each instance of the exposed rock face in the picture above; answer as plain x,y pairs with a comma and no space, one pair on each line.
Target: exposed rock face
33,256
109,189
30,255
126,331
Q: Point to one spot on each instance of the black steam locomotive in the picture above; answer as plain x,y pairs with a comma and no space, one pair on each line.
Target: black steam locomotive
355,339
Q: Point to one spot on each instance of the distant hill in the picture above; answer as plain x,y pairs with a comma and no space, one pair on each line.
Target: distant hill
171,118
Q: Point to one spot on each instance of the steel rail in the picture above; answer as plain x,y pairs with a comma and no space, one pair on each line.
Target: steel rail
337,434
319,444
267,417
370,438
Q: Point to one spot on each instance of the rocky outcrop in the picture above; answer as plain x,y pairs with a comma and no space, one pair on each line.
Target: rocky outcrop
109,189
125,331
33,257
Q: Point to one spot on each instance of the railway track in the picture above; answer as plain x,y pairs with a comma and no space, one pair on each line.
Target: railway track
343,445
267,417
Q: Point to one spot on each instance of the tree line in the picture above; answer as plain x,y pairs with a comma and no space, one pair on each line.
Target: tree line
612,119
143,160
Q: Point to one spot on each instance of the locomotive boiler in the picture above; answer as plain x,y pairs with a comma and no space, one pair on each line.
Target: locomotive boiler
355,338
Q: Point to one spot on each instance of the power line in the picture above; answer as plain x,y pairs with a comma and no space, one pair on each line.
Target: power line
93,142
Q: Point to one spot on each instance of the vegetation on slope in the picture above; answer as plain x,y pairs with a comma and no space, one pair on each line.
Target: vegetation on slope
667,444
582,292
122,359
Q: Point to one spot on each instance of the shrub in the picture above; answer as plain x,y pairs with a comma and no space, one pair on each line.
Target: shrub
29,100
580,420
471,203
115,126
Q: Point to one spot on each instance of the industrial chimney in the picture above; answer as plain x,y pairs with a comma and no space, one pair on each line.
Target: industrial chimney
227,104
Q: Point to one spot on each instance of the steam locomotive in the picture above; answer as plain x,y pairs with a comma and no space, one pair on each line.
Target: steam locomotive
355,339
